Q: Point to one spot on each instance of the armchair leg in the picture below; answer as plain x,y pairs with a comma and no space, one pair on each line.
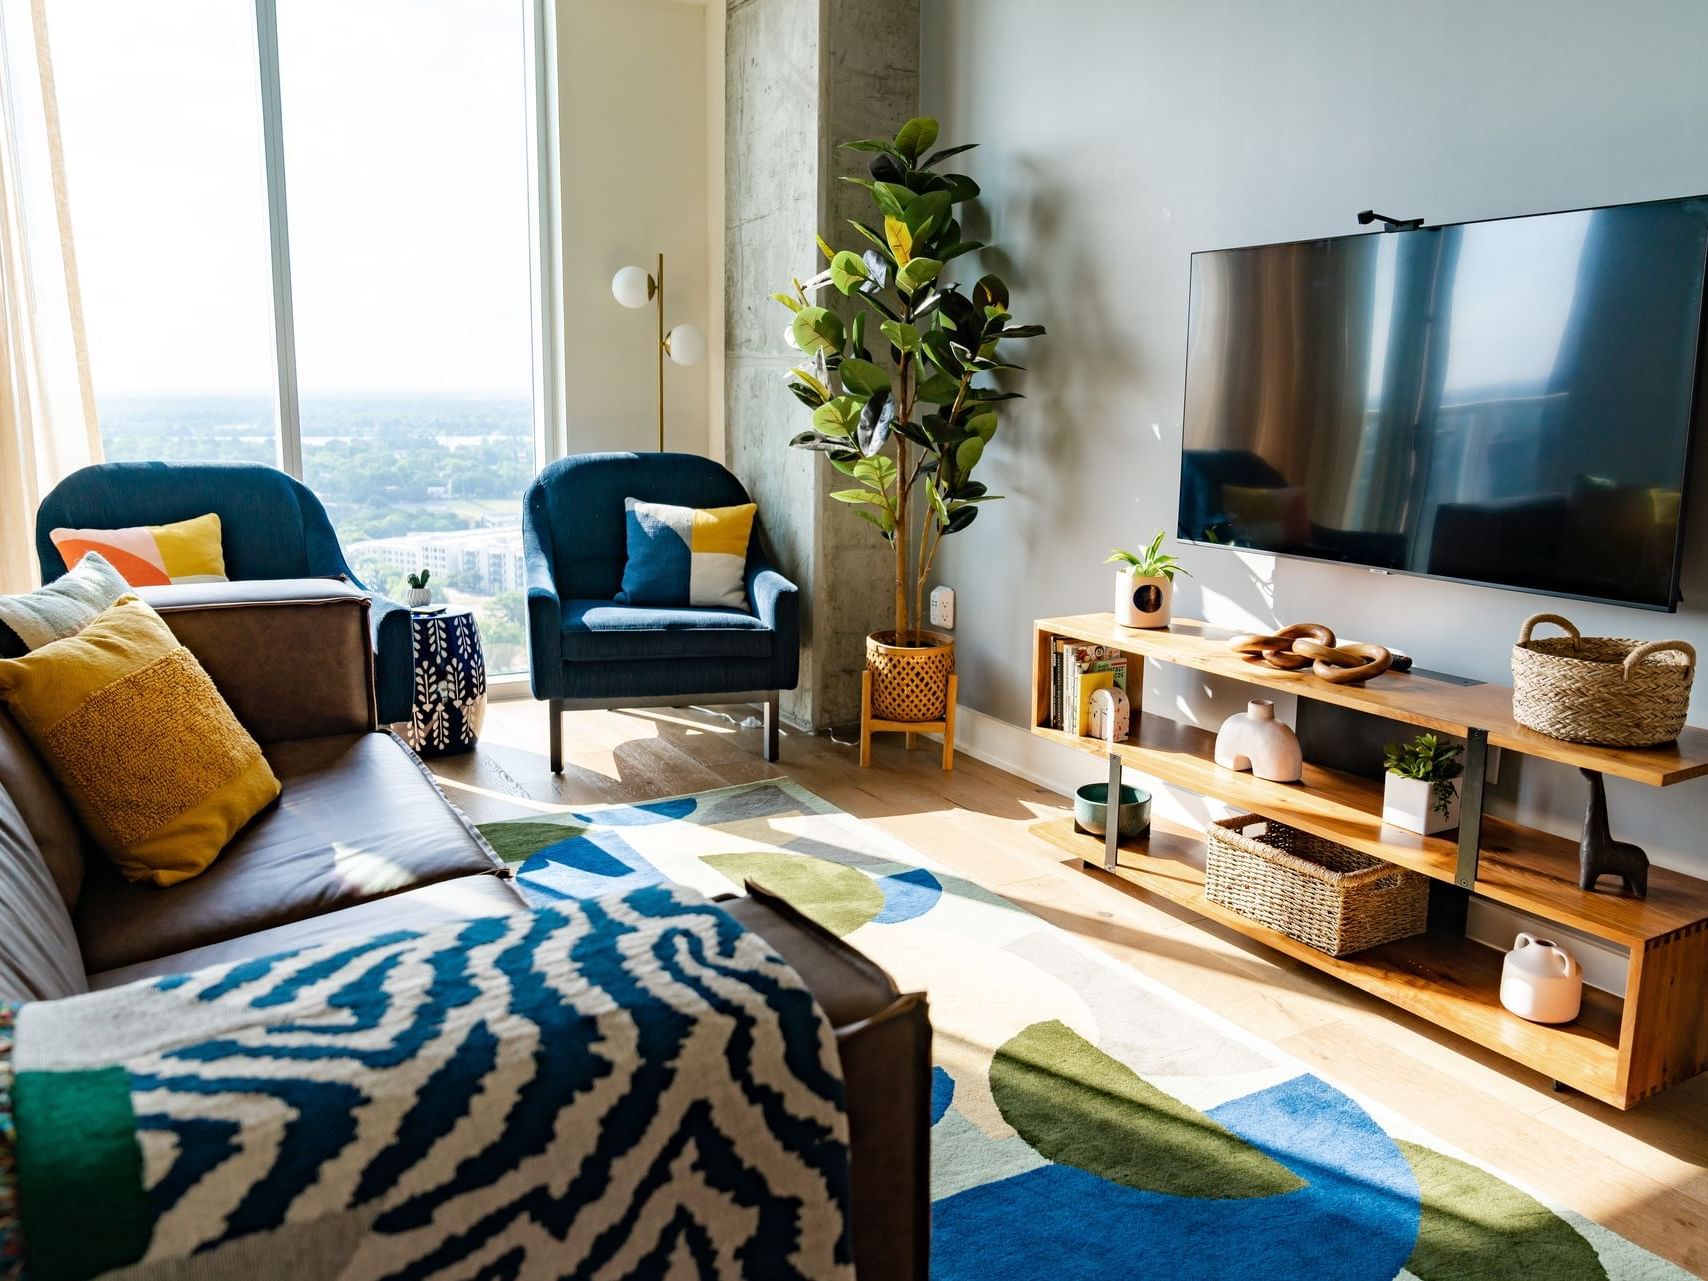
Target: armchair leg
773,713
555,710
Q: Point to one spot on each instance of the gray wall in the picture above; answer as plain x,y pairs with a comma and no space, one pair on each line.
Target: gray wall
1119,135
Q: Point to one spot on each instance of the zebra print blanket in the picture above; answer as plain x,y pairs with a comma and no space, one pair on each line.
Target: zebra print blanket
632,1086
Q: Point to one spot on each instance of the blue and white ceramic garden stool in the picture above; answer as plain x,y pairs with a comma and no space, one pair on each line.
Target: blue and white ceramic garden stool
450,684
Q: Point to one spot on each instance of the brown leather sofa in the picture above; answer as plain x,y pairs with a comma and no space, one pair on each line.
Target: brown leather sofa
362,840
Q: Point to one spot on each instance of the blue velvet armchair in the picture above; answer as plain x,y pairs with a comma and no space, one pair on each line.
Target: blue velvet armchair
585,650
271,526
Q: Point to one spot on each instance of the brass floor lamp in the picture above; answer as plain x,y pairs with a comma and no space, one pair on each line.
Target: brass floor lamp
685,344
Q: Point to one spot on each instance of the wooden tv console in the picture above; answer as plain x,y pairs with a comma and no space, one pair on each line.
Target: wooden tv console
1620,1051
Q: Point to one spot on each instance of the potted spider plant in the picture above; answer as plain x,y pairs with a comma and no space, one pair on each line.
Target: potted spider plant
907,412
1420,790
1144,586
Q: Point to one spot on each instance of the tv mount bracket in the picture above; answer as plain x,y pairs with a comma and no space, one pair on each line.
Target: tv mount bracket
1368,216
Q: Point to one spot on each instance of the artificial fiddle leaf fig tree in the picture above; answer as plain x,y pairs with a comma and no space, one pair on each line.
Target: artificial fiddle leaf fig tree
898,403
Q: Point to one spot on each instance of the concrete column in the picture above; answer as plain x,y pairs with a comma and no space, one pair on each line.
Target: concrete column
801,77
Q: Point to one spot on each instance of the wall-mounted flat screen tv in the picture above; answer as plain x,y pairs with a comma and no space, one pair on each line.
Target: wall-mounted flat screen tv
1506,402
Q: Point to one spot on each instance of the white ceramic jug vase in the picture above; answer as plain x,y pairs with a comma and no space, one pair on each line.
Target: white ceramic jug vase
1541,981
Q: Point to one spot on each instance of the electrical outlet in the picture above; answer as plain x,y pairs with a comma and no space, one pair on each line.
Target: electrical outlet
943,607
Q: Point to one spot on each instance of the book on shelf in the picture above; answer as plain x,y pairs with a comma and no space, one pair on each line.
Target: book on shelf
1076,672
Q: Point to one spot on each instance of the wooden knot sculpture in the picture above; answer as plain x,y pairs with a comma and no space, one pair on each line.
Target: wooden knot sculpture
1312,645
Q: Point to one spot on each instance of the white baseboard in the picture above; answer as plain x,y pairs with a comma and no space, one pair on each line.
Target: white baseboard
1064,769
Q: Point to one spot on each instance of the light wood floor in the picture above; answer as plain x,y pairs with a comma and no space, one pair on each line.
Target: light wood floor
1642,1173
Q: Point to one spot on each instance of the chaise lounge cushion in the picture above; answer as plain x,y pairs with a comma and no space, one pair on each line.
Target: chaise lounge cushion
358,820
39,960
601,631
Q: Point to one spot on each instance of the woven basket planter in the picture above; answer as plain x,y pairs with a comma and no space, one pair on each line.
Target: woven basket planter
910,674
1322,894
1608,690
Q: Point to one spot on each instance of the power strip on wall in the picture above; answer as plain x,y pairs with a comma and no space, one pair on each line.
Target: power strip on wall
943,607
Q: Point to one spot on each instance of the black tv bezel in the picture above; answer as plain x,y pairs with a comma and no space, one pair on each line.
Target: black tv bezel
1698,400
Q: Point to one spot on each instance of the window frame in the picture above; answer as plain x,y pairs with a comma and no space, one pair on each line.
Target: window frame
544,209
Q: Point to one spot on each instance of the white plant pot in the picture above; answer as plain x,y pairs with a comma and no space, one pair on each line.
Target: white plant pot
1143,601
1541,981
418,597
1410,803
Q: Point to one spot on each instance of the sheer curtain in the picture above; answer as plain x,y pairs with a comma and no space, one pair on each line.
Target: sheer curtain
48,425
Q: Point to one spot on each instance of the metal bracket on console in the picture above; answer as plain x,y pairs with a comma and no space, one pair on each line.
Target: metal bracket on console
1471,807
1112,816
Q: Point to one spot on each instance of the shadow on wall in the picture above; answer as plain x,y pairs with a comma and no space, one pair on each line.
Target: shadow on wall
1048,436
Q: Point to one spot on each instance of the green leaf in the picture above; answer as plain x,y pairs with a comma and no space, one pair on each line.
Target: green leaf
915,137
990,292
927,214
939,389
814,383
983,424
877,420
879,471
837,416
818,332
968,453
863,378
900,333
918,273
857,336
937,157
789,301
961,188
871,234
893,199
1022,331
885,522
939,346
847,271
824,248
875,144
958,248
860,496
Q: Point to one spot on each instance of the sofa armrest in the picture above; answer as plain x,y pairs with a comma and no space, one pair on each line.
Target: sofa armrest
545,609
774,598
293,657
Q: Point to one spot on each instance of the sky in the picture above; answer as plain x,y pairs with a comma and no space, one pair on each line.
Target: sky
405,125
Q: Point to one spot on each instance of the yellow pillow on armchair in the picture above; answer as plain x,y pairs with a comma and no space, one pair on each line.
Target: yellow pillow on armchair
148,752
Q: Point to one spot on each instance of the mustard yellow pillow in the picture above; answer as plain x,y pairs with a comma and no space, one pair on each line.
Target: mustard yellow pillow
149,754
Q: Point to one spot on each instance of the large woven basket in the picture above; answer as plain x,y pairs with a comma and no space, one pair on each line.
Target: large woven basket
1322,894
910,674
1607,690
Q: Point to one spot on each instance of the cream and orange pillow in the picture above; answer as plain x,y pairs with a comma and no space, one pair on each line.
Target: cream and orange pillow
149,754
186,551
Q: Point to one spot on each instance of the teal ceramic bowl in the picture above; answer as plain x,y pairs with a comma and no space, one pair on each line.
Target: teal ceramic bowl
1091,811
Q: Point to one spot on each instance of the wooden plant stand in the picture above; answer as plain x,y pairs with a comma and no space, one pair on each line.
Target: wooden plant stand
870,724
1619,1050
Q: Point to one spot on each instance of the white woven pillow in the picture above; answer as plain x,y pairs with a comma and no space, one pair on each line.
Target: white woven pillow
65,606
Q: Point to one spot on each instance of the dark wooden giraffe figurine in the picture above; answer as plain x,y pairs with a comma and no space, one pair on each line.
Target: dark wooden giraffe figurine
1599,854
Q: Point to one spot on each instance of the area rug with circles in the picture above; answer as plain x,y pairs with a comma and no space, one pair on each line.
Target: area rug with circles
1088,1122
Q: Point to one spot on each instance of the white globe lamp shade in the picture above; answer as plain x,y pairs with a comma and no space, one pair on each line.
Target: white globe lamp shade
632,287
687,345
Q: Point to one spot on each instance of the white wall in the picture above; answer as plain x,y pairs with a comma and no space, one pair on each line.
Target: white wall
632,98
1120,135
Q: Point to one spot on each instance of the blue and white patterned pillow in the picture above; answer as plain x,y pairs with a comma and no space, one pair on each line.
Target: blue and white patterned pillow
686,555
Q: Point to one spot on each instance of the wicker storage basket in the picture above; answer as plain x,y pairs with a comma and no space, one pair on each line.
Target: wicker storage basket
910,674
1607,690
1327,896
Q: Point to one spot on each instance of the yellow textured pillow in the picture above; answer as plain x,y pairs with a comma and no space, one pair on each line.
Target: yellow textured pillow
149,754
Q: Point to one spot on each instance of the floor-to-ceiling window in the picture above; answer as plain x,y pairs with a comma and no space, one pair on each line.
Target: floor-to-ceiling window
303,228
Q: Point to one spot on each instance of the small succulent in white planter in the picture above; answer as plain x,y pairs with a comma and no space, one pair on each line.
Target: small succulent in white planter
1421,790
418,596
1144,590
